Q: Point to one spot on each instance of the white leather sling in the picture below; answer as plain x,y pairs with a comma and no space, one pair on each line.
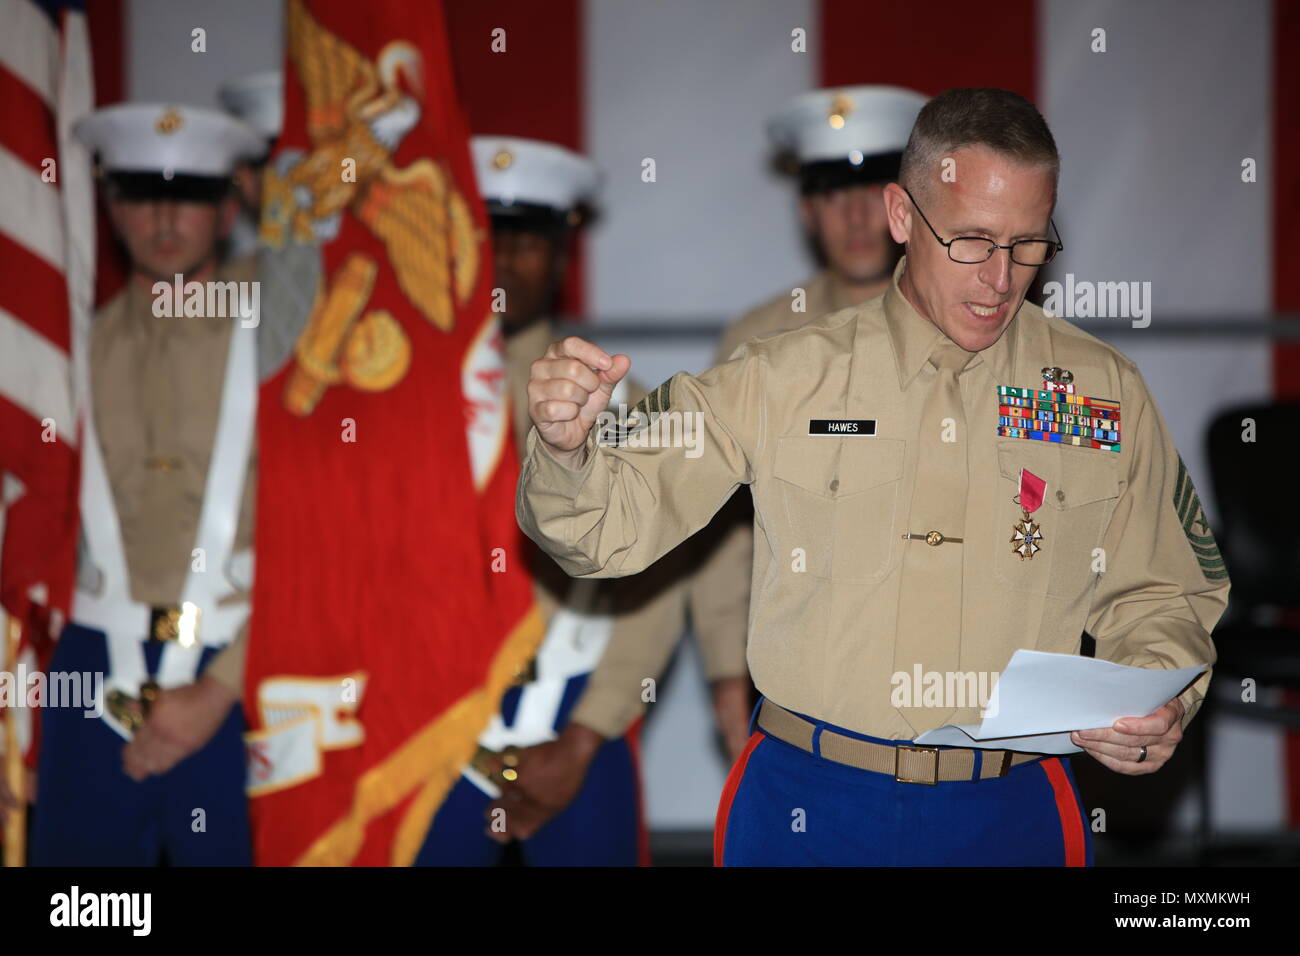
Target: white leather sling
111,608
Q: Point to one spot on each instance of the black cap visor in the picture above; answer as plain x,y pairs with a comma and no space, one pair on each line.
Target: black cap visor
826,175
527,217
180,187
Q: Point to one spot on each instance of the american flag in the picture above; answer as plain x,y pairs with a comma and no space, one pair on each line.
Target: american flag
47,255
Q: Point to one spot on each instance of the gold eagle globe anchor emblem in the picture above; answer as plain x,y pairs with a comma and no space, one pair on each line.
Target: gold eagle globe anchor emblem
358,112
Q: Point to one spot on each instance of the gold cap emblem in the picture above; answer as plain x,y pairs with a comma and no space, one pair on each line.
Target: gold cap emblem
503,159
169,122
841,107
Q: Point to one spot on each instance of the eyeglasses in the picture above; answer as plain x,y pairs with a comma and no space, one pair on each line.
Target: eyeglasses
972,250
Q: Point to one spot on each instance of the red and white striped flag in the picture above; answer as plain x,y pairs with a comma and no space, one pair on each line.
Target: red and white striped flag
47,250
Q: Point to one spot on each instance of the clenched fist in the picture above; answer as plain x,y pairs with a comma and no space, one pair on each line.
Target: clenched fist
568,388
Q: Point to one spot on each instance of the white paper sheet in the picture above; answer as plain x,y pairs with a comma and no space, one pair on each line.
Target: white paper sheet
1041,697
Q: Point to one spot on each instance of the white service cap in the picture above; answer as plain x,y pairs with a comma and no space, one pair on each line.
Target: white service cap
850,122
169,140
512,170
258,100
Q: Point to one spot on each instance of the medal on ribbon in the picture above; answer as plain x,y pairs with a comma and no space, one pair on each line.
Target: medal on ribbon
1026,533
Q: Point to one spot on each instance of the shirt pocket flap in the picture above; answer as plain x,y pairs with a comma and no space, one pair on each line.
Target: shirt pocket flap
837,467
1074,476
866,463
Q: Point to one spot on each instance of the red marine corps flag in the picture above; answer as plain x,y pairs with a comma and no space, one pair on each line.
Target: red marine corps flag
391,607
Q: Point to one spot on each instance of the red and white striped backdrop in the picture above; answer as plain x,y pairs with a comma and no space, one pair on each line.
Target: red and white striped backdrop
47,254
1152,133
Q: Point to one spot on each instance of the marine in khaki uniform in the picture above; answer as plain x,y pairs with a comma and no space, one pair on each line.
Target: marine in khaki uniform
560,758
167,478
258,100
847,143
887,467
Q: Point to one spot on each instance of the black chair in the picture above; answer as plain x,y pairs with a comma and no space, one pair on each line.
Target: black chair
1258,531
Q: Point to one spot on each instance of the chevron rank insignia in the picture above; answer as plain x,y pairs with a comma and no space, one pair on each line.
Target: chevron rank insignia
640,417
1192,516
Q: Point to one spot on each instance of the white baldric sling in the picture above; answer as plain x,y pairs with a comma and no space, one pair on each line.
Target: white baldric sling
573,646
111,608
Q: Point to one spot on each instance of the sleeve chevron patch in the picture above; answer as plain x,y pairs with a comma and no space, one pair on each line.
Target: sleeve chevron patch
1192,516
640,417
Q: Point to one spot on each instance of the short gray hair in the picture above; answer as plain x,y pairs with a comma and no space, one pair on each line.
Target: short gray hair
1000,120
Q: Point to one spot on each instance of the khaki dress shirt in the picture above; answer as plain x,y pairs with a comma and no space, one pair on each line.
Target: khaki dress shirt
831,510
718,588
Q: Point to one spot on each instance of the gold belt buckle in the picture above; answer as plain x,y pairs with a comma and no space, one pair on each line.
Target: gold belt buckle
165,623
169,622
928,750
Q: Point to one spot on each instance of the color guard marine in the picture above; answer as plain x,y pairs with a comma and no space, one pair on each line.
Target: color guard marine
164,570
558,766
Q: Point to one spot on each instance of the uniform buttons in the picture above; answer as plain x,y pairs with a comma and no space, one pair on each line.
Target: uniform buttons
835,484
163,463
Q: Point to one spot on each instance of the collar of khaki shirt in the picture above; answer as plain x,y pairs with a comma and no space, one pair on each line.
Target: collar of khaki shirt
915,337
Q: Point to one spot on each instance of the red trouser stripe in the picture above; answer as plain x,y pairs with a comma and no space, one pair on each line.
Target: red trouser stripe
633,738
1076,844
729,794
